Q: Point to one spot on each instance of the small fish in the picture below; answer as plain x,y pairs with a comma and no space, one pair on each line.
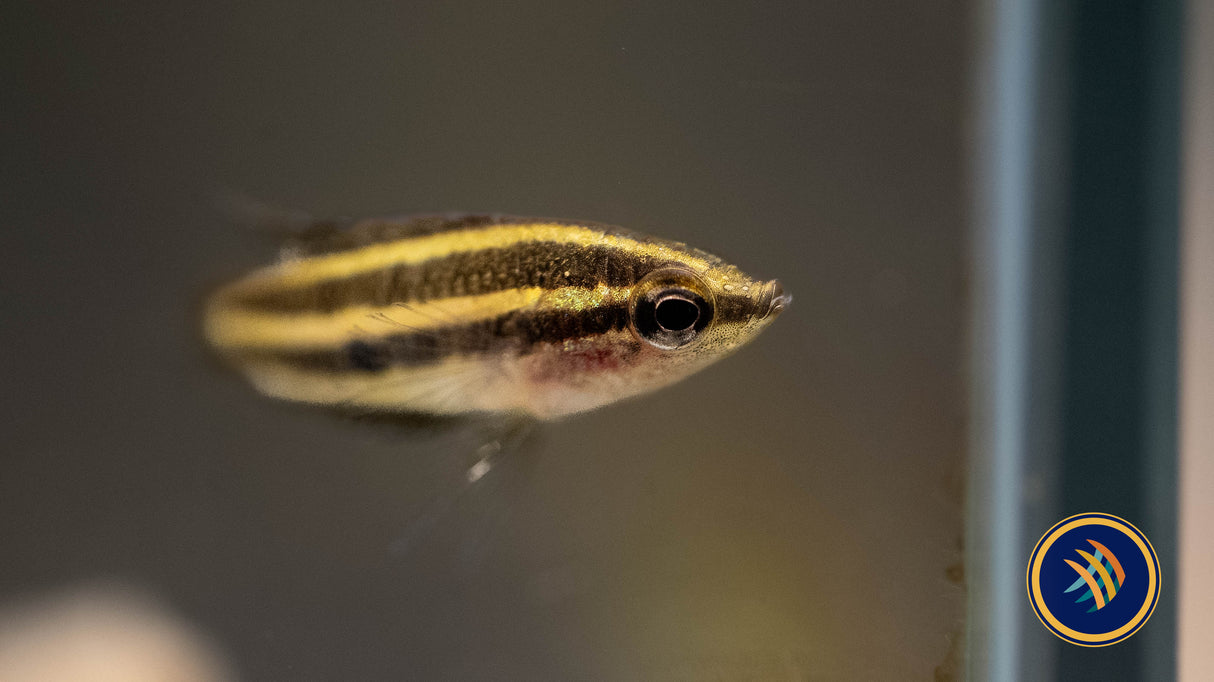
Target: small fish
456,315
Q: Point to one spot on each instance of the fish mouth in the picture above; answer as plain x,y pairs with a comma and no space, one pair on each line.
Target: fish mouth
773,301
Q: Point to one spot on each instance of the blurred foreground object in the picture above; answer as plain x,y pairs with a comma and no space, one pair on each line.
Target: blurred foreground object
103,635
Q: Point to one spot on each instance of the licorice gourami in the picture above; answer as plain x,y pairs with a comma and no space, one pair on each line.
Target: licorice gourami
455,315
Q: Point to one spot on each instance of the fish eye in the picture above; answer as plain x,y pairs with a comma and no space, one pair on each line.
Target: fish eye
670,308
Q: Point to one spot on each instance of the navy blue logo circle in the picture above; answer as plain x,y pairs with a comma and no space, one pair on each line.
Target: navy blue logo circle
1093,579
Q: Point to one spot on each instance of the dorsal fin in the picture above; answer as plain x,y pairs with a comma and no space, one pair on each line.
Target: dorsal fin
300,234
332,236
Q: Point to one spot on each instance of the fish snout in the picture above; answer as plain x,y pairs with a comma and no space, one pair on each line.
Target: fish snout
773,301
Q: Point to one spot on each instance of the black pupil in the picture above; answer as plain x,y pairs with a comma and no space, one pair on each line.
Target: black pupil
676,314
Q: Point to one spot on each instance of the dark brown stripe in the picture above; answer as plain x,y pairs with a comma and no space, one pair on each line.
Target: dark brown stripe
530,264
512,332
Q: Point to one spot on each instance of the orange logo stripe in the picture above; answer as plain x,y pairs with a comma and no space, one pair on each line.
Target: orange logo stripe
1112,560
1087,577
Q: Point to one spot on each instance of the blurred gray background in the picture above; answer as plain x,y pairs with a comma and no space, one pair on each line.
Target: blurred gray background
792,513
